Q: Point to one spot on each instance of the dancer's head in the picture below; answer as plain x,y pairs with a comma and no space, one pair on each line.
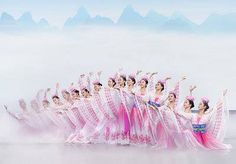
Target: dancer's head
160,86
111,82
45,104
56,100
75,94
85,93
97,86
122,81
22,104
143,83
204,104
131,81
65,95
189,102
172,97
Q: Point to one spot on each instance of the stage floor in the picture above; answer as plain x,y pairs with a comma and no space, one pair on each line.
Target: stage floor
89,154
100,154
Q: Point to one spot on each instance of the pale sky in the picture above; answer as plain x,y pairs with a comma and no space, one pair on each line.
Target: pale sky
57,11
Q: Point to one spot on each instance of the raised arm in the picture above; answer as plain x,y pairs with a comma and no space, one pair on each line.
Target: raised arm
191,89
151,81
218,118
176,90
185,115
11,114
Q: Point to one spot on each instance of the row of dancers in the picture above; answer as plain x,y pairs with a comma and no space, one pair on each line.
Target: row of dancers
131,110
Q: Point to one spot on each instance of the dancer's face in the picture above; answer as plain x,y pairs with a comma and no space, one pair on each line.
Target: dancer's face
187,105
201,106
85,93
130,82
121,81
45,104
158,86
110,83
97,87
56,100
143,84
171,97
74,95
66,96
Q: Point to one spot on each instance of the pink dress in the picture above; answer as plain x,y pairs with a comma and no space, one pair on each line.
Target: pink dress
209,128
148,126
201,131
123,119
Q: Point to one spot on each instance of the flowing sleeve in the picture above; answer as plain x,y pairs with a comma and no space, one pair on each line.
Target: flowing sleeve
71,87
218,118
176,90
13,115
84,81
151,86
56,91
89,83
188,116
40,96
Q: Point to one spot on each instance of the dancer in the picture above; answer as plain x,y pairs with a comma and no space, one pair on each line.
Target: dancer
208,127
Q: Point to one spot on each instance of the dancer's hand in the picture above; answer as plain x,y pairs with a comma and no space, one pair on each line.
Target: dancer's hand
120,69
167,78
152,107
183,78
138,72
90,74
57,85
99,73
154,73
225,92
5,106
191,88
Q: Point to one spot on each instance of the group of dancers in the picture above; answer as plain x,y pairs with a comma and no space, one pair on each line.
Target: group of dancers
131,109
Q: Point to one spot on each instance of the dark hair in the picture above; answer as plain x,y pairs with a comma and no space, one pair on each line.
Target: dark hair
76,91
124,78
132,79
206,105
162,85
99,84
146,81
191,103
86,90
55,97
173,94
113,80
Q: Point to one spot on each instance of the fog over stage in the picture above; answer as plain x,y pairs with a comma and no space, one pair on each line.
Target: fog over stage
24,152
40,60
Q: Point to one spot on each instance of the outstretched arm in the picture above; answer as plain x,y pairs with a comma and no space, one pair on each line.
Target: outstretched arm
185,115
11,114
218,118
57,89
151,81
191,89
176,90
